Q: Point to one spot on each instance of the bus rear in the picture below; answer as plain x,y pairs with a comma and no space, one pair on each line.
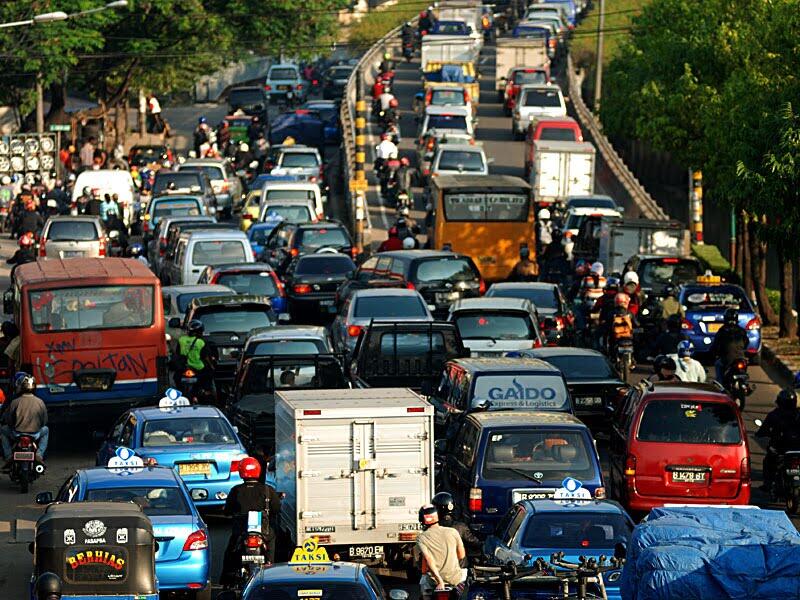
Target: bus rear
92,332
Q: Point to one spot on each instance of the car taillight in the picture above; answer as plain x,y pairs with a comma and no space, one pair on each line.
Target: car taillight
630,466
475,503
791,463
428,97
426,171
686,325
253,541
740,365
313,179
407,536
515,90
560,323
299,86
481,287
267,87
553,43
294,251
234,467
278,283
753,324
247,216
466,97
196,541
42,247
410,286
314,82
302,288
354,330
744,469
102,250
430,144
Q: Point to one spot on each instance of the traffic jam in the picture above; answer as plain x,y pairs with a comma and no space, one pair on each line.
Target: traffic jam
520,392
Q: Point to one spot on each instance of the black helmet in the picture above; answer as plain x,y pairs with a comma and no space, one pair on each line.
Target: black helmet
443,501
48,586
731,316
674,322
26,384
786,399
428,515
195,327
671,290
664,362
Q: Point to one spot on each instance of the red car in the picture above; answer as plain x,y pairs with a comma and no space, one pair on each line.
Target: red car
517,77
557,129
675,442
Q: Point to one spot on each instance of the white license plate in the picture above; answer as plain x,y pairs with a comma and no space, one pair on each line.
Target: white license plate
690,476
256,558
446,296
519,495
326,302
25,456
72,253
589,401
365,551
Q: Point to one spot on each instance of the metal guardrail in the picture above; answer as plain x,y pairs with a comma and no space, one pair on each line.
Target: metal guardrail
639,196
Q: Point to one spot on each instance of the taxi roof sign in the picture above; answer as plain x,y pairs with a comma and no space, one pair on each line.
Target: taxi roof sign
126,460
709,279
172,399
310,553
571,490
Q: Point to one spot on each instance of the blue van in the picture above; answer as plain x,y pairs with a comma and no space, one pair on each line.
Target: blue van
500,458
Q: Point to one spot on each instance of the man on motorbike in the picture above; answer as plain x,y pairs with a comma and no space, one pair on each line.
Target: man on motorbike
621,323
114,223
137,251
197,354
392,242
25,253
670,305
445,508
251,495
664,369
439,552
26,414
729,343
630,285
779,433
31,220
667,341
406,175
384,151
689,369
581,270
544,229
387,64
525,269
555,265
605,307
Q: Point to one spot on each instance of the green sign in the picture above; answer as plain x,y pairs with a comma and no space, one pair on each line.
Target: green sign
58,127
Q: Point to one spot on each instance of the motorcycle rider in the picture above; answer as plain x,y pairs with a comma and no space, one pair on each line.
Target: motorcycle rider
667,341
114,223
201,136
439,552
25,253
137,251
630,285
525,269
664,369
544,229
406,175
778,433
48,586
621,323
387,64
198,354
392,242
729,343
445,508
384,151
555,265
670,304
689,369
27,414
251,495
31,220
407,37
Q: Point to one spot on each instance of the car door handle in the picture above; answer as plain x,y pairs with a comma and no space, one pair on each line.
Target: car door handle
195,270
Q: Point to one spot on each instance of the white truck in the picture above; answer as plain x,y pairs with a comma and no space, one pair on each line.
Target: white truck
562,169
467,12
448,49
355,466
620,239
517,52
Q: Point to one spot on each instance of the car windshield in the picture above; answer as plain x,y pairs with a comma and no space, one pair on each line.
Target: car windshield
388,306
299,159
286,347
235,320
489,325
542,297
88,308
181,180
182,431
218,252
576,530
689,422
324,236
286,73
334,264
539,455
250,283
287,212
447,122
542,98
78,231
447,98
176,208
185,299
521,390
322,590
558,134
155,501
530,77
715,297
213,171
669,270
582,366
491,206
458,160
445,269
245,97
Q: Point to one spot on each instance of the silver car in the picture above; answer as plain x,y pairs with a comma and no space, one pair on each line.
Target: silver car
490,327
176,299
226,184
80,236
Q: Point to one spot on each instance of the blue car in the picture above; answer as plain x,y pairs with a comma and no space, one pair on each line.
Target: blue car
197,442
704,305
329,112
450,28
539,528
183,556
258,233
500,458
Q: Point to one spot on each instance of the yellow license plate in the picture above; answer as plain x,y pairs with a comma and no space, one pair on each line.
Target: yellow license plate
713,327
194,469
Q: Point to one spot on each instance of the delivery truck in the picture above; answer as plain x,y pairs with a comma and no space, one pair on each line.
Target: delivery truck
517,52
562,169
448,49
355,466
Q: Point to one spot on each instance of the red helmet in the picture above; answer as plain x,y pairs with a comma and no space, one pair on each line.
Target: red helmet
622,299
404,160
249,468
26,240
393,103
384,136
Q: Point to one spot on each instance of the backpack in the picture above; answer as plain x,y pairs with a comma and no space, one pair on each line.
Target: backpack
622,327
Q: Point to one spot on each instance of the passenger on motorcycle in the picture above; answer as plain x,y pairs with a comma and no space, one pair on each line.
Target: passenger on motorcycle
621,323
780,429
439,552
446,509
664,369
630,285
27,414
689,369
197,354
525,269
384,151
729,343
593,285
670,305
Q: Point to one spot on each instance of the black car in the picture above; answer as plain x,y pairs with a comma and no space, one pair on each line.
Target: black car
251,100
142,155
328,111
593,383
193,181
441,277
655,272
311,282
555,317
335,80
286,242
227,321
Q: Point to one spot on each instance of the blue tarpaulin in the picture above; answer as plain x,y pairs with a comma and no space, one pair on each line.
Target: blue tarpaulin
721,553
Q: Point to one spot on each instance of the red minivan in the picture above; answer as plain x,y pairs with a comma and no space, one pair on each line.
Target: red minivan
557,129
678,443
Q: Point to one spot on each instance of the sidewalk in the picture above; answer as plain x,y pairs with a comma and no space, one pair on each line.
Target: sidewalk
781,353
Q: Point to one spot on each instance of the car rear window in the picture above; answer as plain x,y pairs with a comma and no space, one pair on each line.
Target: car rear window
334,264
550,454
287,212
582,366
669,270
234,319
558,134
299,159
319,238
542,98
213,172
341,73
521,390
447,122
541,297
576,530
185,299
283,74
250,283
155,501
79,231
218,252
485,325
689,422
382,307
447,98
533,77
445,269
189,431
715,297
532,32
457,160
181,180
287,347
245,97
176,208
412,344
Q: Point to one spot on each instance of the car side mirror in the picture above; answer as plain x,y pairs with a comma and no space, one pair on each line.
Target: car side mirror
8,302
620,550
174,322
44,498
284,319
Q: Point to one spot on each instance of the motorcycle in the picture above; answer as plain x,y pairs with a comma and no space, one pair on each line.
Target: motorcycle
115,243
787,485
736,382
250,552
25,469
408,50
190,386
623,357
651,319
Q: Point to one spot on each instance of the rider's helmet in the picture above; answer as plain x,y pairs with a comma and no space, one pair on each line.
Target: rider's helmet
622,300
249,468
404,211
581,268
731,316
392,231
135,250
384,136
597,268
786,399
612,284
630,277
387,56
685,348
202,120
544,215
404,161
195,327
393,103
664,363
26,384
48,586
244,147
445,505
87,191
428,515
409,243
26,240
524,252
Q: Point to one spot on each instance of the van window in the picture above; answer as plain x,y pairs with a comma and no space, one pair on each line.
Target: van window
669,270
218,252
515,454
287,212
447,122
465,444
318,238
304,160
185,299
181,180
79,231
485,325
530,77
458,160
558,134
542,98
381,307
283,73
447,97
85,308
689,422
179,208
291,194
286,347
234,318
592,530
530,392
250,283
212,171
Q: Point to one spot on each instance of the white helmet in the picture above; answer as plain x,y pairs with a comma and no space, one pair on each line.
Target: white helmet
244,147
630,277
544,215
404,211
409,243
597,268
6,180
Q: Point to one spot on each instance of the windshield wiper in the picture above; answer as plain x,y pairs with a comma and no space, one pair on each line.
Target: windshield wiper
522,473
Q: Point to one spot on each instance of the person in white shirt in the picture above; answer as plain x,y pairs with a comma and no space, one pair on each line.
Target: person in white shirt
385,98
384,151
689,369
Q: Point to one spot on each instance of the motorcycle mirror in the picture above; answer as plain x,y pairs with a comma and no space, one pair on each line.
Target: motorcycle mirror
758,422
174,323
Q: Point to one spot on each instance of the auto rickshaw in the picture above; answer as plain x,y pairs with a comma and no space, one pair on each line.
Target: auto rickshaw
100,550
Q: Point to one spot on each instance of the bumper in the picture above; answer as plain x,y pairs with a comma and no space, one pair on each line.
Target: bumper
321,303
639,503
216,492
191,568
703,342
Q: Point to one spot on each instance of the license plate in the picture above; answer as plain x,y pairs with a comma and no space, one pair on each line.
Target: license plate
713,327
194,469
95,383
72,253
365,551
442,297
690,476
26,456
519,495
283,87
326,302
589,401
256,558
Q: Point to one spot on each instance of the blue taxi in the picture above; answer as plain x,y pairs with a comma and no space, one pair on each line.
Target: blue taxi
577,527
704,303
183,556
198,442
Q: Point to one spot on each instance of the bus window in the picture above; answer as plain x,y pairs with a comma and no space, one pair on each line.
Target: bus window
486,207
90,308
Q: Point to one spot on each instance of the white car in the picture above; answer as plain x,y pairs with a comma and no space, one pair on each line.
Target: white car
536,101
575,216
457,119
454,159
490,327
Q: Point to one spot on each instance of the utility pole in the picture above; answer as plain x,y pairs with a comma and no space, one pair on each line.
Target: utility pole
598,69
39,104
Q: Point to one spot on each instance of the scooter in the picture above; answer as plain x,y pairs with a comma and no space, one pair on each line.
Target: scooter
408,50
251,550
25,469
736,382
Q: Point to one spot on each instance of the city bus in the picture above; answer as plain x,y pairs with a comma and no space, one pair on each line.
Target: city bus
488,217
92,332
